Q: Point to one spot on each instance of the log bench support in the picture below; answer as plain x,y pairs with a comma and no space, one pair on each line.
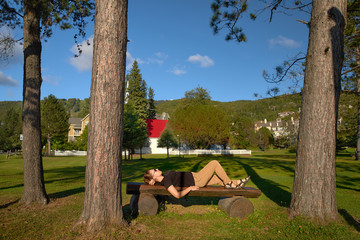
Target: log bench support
147,199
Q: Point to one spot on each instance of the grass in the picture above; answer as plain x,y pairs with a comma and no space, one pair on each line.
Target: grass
187,218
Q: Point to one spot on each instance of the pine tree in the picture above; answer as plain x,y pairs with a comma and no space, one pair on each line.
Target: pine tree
10,130
151,105
136,92
54,120
36,19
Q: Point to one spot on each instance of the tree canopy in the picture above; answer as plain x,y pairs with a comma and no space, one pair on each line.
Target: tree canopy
168,140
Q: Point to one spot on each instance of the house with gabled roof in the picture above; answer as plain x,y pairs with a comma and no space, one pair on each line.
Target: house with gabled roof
155,128
76,127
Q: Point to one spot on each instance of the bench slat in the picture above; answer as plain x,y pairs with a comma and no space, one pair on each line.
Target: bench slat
208,191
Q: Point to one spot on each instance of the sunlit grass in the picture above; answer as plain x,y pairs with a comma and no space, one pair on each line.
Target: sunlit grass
192,218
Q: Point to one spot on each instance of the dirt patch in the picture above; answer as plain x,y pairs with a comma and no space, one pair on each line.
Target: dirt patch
193,209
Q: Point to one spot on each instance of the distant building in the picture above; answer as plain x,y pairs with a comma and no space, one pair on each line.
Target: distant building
76,127
278,127
155,128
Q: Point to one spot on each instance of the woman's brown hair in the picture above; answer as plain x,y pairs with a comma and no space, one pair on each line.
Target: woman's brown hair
147,177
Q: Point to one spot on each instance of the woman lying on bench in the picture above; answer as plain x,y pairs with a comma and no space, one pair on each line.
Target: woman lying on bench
193,180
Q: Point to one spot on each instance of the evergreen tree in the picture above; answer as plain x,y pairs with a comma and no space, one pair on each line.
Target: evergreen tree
102,200
10,130
54,121
168,140
136,92
314,192
135,133
36,19
151,105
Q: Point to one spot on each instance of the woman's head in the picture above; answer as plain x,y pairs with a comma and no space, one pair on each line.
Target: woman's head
151,175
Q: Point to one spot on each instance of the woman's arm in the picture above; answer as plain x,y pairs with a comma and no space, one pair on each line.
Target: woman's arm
182,193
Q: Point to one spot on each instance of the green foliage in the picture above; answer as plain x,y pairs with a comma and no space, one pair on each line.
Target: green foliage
225,13
198,95
54,121
352,44
264,138
10,130
137,91
168,140
82,140
135,133
347,122
63,13
242,133
151,105
201,126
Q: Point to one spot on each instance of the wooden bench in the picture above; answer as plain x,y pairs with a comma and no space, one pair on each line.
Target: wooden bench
145,198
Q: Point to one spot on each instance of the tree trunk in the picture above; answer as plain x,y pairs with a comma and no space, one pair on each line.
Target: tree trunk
102,202
49,146
34,188
314,189
357,152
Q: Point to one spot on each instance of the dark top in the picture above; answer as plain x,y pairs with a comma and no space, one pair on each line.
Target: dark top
178,179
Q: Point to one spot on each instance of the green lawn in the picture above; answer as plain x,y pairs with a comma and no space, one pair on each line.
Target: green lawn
189,218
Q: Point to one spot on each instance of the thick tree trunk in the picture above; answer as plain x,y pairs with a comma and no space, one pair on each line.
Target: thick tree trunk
34,188
314,189
357,152
102,203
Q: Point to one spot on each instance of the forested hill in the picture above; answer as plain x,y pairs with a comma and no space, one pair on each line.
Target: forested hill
257,110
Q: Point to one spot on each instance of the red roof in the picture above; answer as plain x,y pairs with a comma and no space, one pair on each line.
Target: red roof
155,127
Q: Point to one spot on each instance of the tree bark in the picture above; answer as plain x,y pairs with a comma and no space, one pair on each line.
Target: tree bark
314,188
34,188
102,202
357,152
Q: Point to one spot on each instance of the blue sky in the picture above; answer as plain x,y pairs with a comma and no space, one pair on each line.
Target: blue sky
176,51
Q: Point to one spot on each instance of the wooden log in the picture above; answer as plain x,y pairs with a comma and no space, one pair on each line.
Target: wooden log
236,206
148,204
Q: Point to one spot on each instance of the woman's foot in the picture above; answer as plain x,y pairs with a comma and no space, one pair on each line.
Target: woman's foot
242,182
230,185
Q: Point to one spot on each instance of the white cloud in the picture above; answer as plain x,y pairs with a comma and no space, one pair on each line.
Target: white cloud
161,55
204,61
7,80
84,61
52,79
178,71
283,42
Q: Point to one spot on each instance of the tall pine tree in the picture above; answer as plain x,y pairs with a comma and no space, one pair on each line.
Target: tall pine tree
137,92
151,105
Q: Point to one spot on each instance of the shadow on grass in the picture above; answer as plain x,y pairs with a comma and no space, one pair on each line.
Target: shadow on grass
350,219
67,193
270,188
9,204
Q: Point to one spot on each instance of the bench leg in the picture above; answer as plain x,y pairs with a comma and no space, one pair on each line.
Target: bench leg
148,204
236,206
134,204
